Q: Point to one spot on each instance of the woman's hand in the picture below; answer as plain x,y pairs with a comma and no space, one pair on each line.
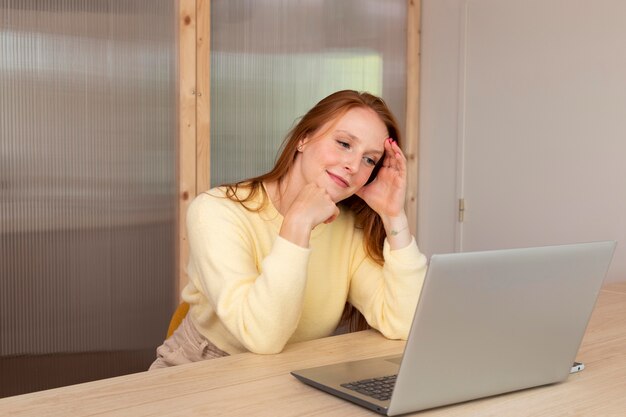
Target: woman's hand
312,206
387,192
386,195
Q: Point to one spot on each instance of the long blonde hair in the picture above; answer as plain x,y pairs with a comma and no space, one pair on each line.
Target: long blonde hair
330,108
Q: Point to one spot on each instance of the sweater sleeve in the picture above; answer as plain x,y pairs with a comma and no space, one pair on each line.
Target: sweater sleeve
387,296
258,300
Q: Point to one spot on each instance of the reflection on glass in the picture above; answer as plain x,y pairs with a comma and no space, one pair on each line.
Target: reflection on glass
87,179
273,60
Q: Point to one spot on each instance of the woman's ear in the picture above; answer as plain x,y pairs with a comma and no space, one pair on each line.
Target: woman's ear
301,143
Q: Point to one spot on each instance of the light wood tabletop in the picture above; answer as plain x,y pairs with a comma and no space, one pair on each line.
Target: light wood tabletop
260,385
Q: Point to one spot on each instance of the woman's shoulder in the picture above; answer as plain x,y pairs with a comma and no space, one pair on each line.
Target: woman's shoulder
214,196
229,198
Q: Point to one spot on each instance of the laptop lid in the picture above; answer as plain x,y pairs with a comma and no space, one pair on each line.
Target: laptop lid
486,323
498,321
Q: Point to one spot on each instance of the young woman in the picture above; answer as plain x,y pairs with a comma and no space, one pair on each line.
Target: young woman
278,258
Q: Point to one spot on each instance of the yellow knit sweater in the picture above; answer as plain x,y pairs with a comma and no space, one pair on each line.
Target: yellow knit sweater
251,290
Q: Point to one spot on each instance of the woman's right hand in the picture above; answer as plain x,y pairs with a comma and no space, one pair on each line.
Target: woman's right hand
311,207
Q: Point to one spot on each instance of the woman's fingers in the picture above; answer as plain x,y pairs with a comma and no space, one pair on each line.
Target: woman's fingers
394,158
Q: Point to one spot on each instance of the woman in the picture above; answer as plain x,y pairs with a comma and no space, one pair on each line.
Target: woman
274,259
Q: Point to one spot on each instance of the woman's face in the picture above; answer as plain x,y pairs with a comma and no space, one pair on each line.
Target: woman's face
340,157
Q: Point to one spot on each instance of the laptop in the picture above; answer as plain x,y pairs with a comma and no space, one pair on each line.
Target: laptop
486,323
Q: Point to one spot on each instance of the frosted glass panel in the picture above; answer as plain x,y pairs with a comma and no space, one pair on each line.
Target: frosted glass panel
87,175
272,60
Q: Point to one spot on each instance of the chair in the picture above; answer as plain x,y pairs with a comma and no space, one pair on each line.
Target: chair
177,317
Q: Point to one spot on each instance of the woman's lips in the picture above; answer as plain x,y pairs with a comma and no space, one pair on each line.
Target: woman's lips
338,180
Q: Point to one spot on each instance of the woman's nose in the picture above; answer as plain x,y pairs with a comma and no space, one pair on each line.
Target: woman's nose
352,163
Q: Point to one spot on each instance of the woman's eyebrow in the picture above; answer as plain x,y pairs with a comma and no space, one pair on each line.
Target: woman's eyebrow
356,138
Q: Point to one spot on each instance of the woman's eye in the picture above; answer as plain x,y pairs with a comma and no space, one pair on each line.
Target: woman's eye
369,161
343,144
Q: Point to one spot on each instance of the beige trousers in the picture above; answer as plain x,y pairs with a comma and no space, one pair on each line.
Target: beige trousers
185,345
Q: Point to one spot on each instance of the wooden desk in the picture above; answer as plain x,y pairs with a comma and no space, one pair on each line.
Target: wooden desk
255,385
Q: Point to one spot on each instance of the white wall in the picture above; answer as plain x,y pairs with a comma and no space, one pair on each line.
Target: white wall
524,115
439,93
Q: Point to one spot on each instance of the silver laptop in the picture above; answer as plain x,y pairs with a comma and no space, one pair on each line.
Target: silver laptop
486,323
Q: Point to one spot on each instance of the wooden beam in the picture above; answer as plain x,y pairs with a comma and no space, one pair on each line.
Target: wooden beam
187,183
412,109
203,99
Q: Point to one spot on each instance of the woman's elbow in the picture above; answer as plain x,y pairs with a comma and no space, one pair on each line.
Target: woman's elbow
265,347
264,342
395,328
396,334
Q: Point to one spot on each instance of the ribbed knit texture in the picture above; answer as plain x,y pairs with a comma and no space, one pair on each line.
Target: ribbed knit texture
251,290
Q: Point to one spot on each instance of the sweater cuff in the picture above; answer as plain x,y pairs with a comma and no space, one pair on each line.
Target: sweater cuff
408,257
284,246
286,258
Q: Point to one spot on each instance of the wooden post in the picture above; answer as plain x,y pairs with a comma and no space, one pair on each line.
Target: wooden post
412,109
186,129
203,99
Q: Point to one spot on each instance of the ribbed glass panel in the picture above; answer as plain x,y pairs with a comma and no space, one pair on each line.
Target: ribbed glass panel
272,60
87,174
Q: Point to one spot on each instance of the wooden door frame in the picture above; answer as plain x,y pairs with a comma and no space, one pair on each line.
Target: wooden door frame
194,107
411,147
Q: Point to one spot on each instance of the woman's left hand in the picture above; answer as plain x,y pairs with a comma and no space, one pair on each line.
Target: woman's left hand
387,192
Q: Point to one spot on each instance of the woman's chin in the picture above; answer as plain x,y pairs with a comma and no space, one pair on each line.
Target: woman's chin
338,194
340,197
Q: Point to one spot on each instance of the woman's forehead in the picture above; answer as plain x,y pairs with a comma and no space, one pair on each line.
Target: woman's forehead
359,122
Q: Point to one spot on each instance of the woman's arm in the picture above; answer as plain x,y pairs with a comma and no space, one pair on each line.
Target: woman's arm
387,296
386,196
257,298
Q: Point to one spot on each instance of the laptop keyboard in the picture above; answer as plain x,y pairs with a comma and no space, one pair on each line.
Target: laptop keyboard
379,388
